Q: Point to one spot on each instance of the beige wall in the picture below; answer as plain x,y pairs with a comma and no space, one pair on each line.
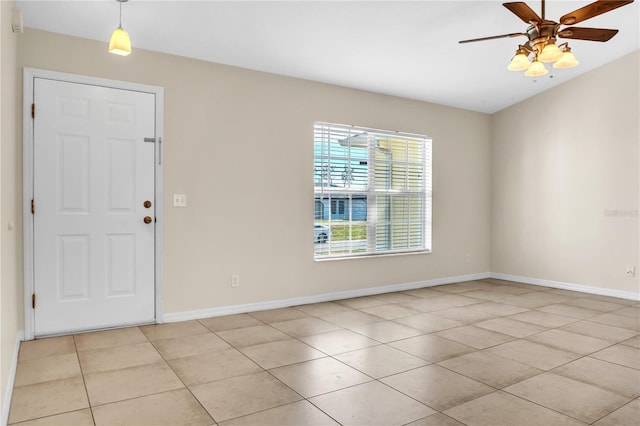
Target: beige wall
10,266
565,181
239,144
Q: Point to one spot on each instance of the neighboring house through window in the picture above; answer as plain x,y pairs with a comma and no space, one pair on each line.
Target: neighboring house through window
372,191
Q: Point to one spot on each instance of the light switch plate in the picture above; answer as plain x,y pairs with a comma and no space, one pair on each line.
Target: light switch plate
179,200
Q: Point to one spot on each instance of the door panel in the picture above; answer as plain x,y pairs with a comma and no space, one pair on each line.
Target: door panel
93,254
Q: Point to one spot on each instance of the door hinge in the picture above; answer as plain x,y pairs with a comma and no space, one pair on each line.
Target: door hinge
33,206
33,110
33,300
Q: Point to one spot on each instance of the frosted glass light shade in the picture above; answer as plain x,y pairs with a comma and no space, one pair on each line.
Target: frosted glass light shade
519,62
567,60
550,53
120,43
536,69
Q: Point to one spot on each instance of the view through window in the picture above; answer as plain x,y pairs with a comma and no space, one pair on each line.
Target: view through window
372,191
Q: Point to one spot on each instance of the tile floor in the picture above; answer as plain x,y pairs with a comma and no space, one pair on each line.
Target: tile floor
477,353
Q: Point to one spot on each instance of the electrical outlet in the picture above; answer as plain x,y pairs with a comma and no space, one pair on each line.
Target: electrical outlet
631,271
235,280
179,200
467,258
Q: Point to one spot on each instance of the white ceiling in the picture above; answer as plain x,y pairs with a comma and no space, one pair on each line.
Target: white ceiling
403,48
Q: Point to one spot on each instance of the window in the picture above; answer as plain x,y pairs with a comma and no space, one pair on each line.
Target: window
372,191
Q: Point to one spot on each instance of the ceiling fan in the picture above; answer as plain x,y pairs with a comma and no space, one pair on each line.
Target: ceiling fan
542,33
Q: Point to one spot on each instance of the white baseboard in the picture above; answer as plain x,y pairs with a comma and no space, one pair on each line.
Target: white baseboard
568,286
304,300
6,404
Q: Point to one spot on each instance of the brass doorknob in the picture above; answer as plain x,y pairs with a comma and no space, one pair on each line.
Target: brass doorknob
147,219
147,204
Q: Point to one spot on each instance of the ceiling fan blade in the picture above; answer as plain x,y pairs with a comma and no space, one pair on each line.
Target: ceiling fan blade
592,34
522,11
492,37
594,9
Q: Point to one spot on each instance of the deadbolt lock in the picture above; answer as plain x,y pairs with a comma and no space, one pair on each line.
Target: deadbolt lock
147,204
147,219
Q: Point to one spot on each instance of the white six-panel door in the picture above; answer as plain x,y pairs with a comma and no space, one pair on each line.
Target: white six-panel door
93,172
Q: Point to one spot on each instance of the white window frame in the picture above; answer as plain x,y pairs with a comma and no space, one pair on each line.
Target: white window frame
326,189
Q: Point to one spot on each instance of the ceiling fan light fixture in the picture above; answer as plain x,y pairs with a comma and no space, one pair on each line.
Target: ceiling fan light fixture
550,52
120,42
520,61
568,60
536,69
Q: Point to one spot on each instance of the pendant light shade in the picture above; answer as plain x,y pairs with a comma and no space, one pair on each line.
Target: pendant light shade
551,52
120,43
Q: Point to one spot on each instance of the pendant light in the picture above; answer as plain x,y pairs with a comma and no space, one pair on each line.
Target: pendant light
567,60
120,43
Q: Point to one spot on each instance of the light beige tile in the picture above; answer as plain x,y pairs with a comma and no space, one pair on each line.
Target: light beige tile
485,294
512,289
613,377
176,407
349,318
47,399
73,418
569,311
429,305
567,292
630,311
386,331
544,319
534,354
40,370
280,353
319,376
500,408
324,308
426,293
437,387
118,357
213,366
465,315
456,300
600,331
395,297
510,327
432,348
524,302
301,413
437,419
627,302
572,342
573,398
596,305
249,336
381,361
621,355
171,330
305,326
623,321
109,338
197,344
429,323
465,286
278,315
361,302
242,395
546,298
369,403
117,385
498,309
490,369
51,346
633,342
339,341
230,322
626,415
390,311
475,337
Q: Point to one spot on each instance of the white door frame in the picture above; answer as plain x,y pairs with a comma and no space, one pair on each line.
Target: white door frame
27,178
